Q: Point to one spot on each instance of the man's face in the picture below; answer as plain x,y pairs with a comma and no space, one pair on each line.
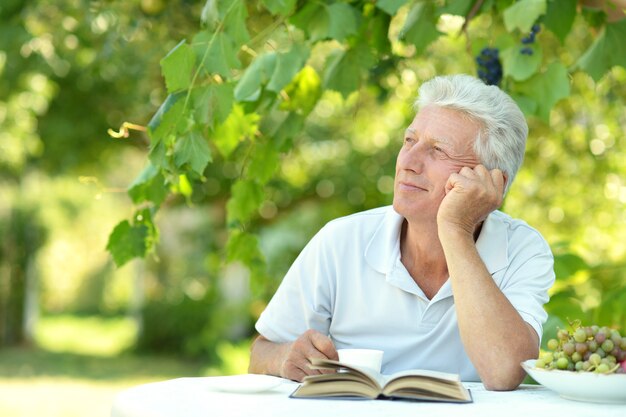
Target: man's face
438,143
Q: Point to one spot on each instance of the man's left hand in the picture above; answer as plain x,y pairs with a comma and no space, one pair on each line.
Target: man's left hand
471,194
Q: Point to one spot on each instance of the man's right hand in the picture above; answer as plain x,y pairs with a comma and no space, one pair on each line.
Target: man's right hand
311,344
291,360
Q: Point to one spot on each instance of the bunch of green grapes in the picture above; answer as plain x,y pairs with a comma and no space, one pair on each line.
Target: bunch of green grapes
586,349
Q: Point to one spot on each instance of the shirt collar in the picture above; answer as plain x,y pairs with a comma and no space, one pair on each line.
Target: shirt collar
384,247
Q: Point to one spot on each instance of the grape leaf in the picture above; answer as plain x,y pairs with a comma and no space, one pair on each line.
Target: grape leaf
246,197
287,66
313,19
379,34
258,73
177,67
265,161
194,150
343,21
215,53
519,66
607,51
420,28
133,241
559,17
127,242
212,104
243,247
148,186
235,13
390,6
547,88
303,92
165,120
237,126
456,7
281,7
344,69
523,14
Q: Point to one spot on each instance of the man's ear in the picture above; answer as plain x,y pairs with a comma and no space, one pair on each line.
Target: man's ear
506,180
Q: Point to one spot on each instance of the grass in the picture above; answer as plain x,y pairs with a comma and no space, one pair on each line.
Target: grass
81,363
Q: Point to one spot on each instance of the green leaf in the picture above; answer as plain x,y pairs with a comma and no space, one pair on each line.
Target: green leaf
257,74
215,53
567,264
526,104
133,241
519,66
379,34
343,21
303,92
559,17
237,127
313,19
280,7
547,88
243,247
265,162
177,67
246,198
235,20
420,28
608,50
281,127
456,7
523,14
166,119
390,6
344,69
212,104
148,186
194,150
287,66
127,242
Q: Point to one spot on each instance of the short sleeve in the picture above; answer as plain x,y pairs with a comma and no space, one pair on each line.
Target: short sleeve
304,298
529,277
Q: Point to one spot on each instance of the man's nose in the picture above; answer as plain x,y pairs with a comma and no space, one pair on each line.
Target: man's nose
414,157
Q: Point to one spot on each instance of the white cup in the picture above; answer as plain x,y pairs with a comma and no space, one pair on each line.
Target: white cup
369,358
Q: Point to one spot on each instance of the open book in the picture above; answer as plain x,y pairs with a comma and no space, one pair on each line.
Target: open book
354,381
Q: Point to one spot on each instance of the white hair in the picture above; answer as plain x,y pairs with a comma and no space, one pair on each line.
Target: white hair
502,139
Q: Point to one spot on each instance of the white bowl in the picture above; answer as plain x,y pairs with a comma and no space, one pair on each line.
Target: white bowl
581,386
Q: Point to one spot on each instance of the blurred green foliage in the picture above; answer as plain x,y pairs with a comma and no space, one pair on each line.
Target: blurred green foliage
72,69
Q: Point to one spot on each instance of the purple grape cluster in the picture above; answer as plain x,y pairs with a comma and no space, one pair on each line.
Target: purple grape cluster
530,39
586,349
489,66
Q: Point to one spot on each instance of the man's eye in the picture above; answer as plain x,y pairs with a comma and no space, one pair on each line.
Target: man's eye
409,140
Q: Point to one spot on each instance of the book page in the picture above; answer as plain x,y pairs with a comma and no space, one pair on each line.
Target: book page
375,379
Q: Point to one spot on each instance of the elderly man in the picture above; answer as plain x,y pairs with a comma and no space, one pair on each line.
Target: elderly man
441,280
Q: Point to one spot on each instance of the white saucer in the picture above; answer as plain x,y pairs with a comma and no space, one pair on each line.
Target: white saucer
245,384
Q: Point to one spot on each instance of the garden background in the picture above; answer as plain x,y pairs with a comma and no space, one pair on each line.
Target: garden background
163,162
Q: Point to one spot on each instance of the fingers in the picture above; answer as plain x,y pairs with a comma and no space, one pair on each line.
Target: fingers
310,344
324,345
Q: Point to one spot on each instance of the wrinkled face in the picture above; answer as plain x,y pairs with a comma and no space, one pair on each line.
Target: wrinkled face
438,143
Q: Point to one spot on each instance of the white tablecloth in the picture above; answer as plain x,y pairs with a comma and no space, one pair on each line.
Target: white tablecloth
194,397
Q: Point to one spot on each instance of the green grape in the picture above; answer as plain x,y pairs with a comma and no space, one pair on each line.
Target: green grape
553,344
562,363
580,335
586,365
607,345
601,352
548,357
593,345
595,359
540,363
602,368
576,357
563,335
579,366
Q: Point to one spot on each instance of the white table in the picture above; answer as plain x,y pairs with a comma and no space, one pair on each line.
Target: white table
193,397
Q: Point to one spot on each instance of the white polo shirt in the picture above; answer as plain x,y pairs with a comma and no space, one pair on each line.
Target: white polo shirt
349,283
